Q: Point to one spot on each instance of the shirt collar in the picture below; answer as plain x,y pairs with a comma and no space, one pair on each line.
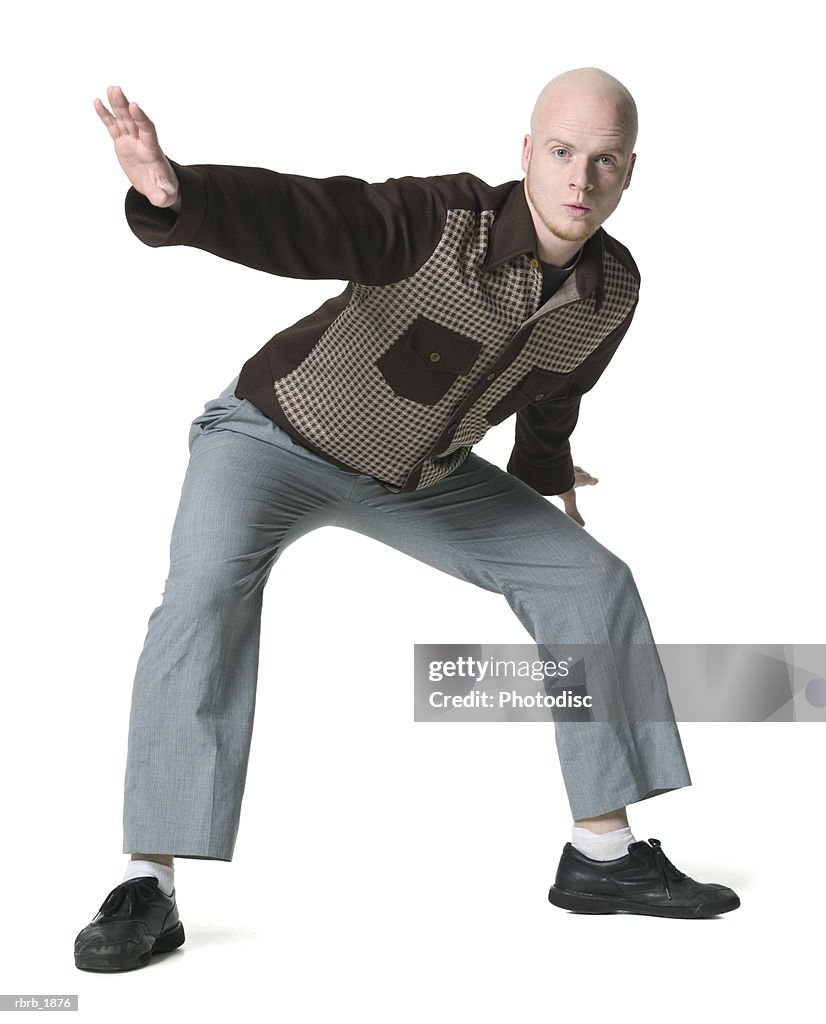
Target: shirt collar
513,234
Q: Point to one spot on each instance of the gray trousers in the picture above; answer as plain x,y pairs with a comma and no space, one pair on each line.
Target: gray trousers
249,491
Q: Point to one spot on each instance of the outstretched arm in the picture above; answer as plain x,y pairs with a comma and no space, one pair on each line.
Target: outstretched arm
291,225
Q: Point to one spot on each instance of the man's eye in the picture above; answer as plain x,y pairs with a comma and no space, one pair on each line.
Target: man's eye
559,151
609,160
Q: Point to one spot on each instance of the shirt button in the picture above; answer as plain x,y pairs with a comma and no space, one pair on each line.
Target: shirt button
435,357
535,263
540,395
490,376
452,428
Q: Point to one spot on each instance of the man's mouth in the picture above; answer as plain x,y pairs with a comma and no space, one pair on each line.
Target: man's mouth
577,211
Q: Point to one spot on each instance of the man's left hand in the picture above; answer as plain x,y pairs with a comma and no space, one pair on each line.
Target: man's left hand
581,479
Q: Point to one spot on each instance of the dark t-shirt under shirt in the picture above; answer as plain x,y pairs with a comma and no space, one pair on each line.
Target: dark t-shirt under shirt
554,277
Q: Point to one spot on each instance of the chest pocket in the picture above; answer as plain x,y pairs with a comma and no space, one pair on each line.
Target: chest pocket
537,386
426,360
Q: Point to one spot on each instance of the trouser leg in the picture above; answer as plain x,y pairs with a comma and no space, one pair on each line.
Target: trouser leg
484,526
246,496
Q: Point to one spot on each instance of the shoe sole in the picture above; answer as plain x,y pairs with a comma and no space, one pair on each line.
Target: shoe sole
163,944
581,903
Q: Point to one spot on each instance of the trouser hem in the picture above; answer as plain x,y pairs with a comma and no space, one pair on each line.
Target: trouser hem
172,849
613,801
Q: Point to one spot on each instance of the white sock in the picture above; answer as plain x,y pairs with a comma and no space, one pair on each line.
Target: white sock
604,846
141,868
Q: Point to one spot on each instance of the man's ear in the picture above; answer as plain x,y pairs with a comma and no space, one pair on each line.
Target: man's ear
526,152
630,171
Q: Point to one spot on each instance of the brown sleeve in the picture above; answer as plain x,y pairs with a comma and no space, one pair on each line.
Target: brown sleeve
337,228
541,455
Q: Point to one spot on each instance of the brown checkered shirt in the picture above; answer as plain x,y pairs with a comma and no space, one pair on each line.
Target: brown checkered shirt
438,334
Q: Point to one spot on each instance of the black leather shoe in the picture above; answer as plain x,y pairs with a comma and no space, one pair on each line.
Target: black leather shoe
644,881
135,920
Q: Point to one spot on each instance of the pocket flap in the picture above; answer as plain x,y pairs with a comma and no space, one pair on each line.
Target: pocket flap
536,386
441,348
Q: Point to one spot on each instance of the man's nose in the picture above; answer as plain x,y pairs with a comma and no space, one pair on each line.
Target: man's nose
580,178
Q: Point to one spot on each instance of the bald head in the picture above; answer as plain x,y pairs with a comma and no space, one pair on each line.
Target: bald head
578,158
589,91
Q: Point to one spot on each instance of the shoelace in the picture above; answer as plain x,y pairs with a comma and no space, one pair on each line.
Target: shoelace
664,866
128,890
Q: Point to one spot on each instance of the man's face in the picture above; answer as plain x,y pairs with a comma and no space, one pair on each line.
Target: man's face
577,163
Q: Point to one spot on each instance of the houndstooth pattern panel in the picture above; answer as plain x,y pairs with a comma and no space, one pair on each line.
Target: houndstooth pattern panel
559,342
451,289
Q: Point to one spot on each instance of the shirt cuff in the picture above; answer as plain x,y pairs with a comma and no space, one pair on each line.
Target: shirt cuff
548,480
157,226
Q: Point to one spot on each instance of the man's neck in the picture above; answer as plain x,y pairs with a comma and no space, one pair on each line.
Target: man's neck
553,250
572,262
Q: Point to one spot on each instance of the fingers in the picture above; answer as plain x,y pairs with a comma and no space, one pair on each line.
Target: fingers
574,514
128,119
583,477
120,108
144,127
116,122
125,118
106,117
570,508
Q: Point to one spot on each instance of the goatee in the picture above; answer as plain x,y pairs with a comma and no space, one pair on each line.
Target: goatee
574,233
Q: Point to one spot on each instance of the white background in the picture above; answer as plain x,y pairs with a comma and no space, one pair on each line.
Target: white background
386,870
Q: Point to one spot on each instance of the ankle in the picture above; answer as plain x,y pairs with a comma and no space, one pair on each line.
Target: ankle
159,858
602,823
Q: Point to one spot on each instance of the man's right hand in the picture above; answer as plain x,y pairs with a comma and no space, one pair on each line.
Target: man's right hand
139,154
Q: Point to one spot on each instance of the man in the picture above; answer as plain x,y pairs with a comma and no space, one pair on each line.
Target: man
465,303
